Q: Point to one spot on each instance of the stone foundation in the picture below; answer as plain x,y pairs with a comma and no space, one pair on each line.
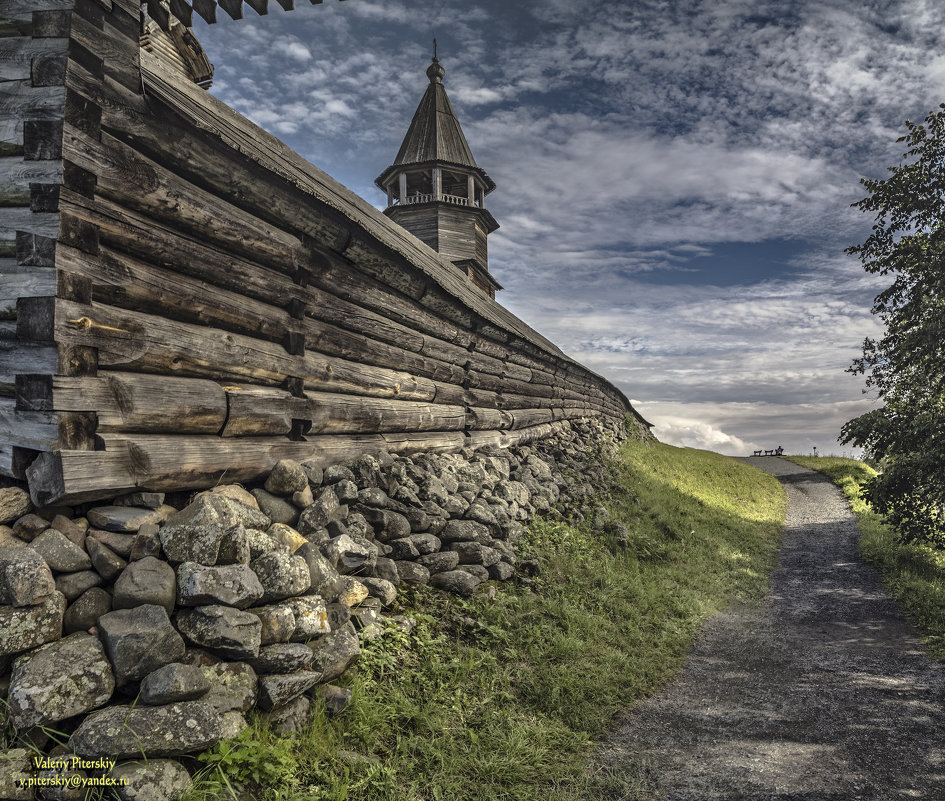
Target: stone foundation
151,626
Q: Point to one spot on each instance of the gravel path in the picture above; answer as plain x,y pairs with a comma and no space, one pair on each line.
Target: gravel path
823,694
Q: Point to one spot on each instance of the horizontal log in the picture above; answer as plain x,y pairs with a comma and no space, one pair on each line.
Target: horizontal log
132,401
34,430
17,54
23,9
482,419
23,219
136,341
31,283
20,358
16,175
139,285
526,418
20,101
332,414
169,462
131,179
126,282
263,411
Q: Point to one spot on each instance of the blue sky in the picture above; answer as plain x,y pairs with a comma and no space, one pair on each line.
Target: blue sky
674,179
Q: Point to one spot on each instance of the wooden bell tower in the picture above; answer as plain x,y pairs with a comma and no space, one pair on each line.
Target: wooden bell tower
436,190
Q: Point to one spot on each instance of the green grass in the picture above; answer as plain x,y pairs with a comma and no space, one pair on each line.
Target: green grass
913,574
502,699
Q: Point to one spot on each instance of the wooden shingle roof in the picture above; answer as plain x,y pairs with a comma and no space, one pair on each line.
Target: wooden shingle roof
435,133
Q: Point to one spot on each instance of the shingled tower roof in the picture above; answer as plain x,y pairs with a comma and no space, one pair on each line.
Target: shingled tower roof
435,133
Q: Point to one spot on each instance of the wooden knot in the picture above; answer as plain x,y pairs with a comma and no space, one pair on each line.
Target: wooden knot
87,324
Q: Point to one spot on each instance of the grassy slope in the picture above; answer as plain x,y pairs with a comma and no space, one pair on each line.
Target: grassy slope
503,699
913,574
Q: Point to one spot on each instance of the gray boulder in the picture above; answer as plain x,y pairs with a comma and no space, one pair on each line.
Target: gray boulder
30,526
106,562
121,544
277,623
194,534
123,518
231,585
381,589
123,731
281,576
472,553
278,689
145,544
458,582
16,764
147,581
290,717
348,555
465,531
426,543
346,491
232,633
501,571
286,477
439,562
25,577
386,569
85,611
232,686
139,641
14,503
260,542
150,780
72,585
282,658
413,573
311,617
277,509
352,591
173,683
480,572
335,473
323,577
60,553
26,627
402,548
234,546
58,680
335,653
325,508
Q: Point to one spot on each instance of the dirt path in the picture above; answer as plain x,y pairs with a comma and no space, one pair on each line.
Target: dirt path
824,694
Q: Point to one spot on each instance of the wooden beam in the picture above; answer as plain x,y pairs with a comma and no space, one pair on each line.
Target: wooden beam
169,462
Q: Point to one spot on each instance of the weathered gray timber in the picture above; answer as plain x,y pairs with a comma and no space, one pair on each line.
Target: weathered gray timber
182,297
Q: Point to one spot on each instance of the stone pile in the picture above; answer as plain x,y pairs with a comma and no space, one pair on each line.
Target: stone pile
140,630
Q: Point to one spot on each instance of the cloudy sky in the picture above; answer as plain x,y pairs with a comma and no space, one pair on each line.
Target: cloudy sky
674,178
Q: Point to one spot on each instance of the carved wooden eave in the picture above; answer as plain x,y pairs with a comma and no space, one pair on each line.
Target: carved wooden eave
207,9
178,46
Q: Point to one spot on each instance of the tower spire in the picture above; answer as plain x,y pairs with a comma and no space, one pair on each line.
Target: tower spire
436,190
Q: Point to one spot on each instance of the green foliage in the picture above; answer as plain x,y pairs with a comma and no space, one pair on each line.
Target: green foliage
906,366
253,759
913,573
503,699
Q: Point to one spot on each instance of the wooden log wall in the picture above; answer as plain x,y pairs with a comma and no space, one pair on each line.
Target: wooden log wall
186,301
